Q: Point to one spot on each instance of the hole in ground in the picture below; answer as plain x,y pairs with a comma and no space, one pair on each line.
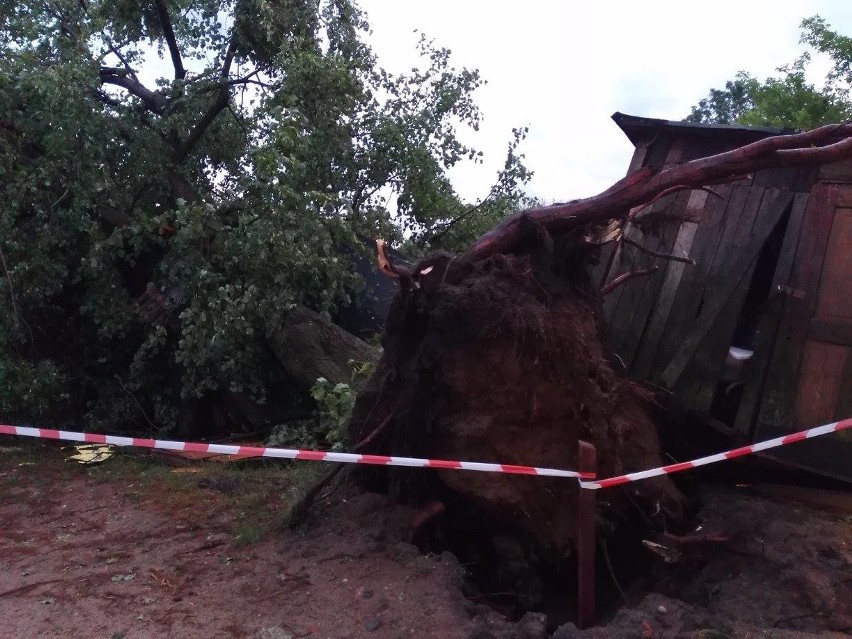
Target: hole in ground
512,579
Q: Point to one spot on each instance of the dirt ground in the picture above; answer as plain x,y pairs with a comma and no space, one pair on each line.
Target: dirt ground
138,547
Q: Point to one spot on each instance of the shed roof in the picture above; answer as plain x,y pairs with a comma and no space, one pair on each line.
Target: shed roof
639,130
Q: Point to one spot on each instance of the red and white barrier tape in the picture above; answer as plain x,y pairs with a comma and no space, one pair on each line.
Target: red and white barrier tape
382,460
710,459
287,453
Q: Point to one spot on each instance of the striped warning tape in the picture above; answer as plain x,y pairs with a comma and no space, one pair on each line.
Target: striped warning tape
287,453
412,462
711,459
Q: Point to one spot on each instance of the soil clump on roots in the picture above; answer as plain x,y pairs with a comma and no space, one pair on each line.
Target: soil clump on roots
501,360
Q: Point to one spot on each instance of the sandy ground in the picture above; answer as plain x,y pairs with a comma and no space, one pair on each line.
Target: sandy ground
134,547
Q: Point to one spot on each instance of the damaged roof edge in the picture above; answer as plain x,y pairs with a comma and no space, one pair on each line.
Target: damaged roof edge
640,130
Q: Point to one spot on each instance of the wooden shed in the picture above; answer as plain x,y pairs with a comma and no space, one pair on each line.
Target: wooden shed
758,332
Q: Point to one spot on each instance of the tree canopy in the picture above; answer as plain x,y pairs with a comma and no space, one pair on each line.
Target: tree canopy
175,175
788,100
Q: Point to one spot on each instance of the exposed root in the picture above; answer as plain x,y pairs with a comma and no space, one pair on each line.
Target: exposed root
298,511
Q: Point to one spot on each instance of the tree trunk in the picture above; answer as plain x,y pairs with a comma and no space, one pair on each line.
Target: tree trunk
309,346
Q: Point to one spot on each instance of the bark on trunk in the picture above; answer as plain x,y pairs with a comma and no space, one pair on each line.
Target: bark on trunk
309,346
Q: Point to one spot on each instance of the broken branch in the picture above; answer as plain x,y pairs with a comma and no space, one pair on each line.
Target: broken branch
666,256
824,145
386,266
615,282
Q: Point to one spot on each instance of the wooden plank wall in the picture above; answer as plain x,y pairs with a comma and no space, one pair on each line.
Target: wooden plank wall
639,312
650,317
704,349
770,322
671,276
675,326
782,375
809,376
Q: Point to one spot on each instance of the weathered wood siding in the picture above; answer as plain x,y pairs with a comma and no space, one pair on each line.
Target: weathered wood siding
674,327
809,378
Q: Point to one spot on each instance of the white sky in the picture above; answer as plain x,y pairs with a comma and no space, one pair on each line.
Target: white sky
564,68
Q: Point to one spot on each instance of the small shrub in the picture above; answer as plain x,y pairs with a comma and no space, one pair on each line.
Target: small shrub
327,428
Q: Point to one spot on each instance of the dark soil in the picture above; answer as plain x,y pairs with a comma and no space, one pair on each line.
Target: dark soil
501,360
132,548
786,572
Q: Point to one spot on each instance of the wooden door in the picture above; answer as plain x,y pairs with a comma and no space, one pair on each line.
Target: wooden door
809,378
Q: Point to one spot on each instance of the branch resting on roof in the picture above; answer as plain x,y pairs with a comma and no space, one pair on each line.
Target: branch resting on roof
824,145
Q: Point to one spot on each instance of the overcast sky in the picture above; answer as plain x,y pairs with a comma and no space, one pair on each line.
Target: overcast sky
563,68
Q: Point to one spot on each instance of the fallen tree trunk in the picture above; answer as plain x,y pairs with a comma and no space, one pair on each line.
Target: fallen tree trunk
309,346
496,355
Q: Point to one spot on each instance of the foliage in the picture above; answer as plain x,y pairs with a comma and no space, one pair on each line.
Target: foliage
156,225
334,407
789,100
459,229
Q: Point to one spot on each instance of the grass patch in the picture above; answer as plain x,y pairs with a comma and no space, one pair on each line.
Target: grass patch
247,496
247,534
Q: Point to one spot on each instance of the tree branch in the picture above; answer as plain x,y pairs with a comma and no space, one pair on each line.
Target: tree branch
215,109
667,256
169,34
386,266
824,145
152,100
246,79
460,218
615,282
677,189
11,288
116,51
217,86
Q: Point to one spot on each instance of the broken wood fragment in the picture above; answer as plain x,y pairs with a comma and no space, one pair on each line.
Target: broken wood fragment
666,256
386,266
617,281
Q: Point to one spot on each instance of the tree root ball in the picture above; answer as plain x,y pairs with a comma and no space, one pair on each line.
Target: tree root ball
501,360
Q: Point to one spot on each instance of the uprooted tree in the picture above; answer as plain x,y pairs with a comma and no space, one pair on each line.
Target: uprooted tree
163,241
495,354
181,185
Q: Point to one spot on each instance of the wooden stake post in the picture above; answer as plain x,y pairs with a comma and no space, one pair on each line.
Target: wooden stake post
586,539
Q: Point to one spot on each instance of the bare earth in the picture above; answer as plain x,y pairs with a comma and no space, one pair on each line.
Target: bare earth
138,548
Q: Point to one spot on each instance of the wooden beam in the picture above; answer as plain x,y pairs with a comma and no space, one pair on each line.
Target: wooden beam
587,463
